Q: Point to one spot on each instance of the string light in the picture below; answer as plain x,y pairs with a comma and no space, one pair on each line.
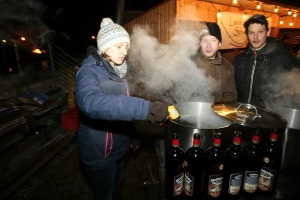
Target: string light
234,1
290,12
219,14
281,21
258,5
245,16
276,9
291,23
294,15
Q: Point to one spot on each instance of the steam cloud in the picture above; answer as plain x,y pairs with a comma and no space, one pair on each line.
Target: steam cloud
167,71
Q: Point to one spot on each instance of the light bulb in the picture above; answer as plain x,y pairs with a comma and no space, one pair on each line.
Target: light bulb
219,14
258,6
276,9
294,15
281,21
245,16
291,23
290,12
234,1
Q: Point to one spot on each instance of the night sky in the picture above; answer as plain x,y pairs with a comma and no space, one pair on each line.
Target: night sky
67,24
81,19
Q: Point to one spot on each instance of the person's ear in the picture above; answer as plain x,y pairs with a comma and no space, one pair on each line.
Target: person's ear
268,33
220,43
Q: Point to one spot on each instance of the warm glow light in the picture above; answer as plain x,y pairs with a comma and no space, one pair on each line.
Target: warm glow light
294,15
219,14
38,51
291,23
258,6
23,38
276,9
245,16
10,69
234,1
281,21
290,12
3,40
93,37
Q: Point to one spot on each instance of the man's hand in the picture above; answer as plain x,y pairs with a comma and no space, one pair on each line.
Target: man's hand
284,92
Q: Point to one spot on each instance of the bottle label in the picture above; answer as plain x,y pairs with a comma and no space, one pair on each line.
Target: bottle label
178,184
251,181
266,179
215,182
188,184
235,181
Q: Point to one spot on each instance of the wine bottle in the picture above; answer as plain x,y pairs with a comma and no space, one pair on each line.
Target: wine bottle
174,170
194,169
252,166
234,168
214,169
271,162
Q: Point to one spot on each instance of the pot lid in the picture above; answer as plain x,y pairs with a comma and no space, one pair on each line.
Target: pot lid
249,115
199,115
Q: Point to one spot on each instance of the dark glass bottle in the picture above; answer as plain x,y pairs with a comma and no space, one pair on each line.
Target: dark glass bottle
194,169
252,166
174,170
271,162
214,169
233,169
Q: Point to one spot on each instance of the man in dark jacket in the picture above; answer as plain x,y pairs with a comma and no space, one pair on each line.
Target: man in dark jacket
217,67
259,70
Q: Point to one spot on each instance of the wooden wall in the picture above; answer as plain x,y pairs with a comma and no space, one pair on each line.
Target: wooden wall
160,20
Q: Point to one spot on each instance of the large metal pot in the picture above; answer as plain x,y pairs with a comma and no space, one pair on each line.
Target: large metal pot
289,140
197,117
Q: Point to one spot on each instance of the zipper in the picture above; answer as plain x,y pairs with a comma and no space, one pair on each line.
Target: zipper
252,75
109,139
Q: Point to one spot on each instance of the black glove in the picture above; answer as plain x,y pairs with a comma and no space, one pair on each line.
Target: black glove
158,112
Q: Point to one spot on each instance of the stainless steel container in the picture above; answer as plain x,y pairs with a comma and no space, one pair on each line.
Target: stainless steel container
289,140
197,117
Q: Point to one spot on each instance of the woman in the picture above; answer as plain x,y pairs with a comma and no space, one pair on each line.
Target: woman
102,96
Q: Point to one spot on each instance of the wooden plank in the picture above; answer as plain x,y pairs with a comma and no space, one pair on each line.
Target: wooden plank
19,148
17,176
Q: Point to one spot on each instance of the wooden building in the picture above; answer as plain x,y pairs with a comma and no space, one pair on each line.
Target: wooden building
165,19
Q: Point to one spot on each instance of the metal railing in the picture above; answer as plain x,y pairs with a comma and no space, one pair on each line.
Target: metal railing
50,62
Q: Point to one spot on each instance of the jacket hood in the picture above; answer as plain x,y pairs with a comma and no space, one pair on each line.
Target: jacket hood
273,47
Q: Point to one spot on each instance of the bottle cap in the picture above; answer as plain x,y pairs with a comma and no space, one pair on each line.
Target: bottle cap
197,141
237,140
217,141
175,142
273,136
256,138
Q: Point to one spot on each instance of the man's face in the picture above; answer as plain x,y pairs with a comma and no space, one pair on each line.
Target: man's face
257,35
209,45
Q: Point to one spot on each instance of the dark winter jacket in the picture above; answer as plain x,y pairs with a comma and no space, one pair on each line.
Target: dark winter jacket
106,111
254,82
221,70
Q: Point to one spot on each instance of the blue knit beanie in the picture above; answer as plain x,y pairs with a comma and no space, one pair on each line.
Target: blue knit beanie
110,34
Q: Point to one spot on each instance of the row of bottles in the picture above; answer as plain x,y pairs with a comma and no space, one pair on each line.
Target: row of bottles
215,174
